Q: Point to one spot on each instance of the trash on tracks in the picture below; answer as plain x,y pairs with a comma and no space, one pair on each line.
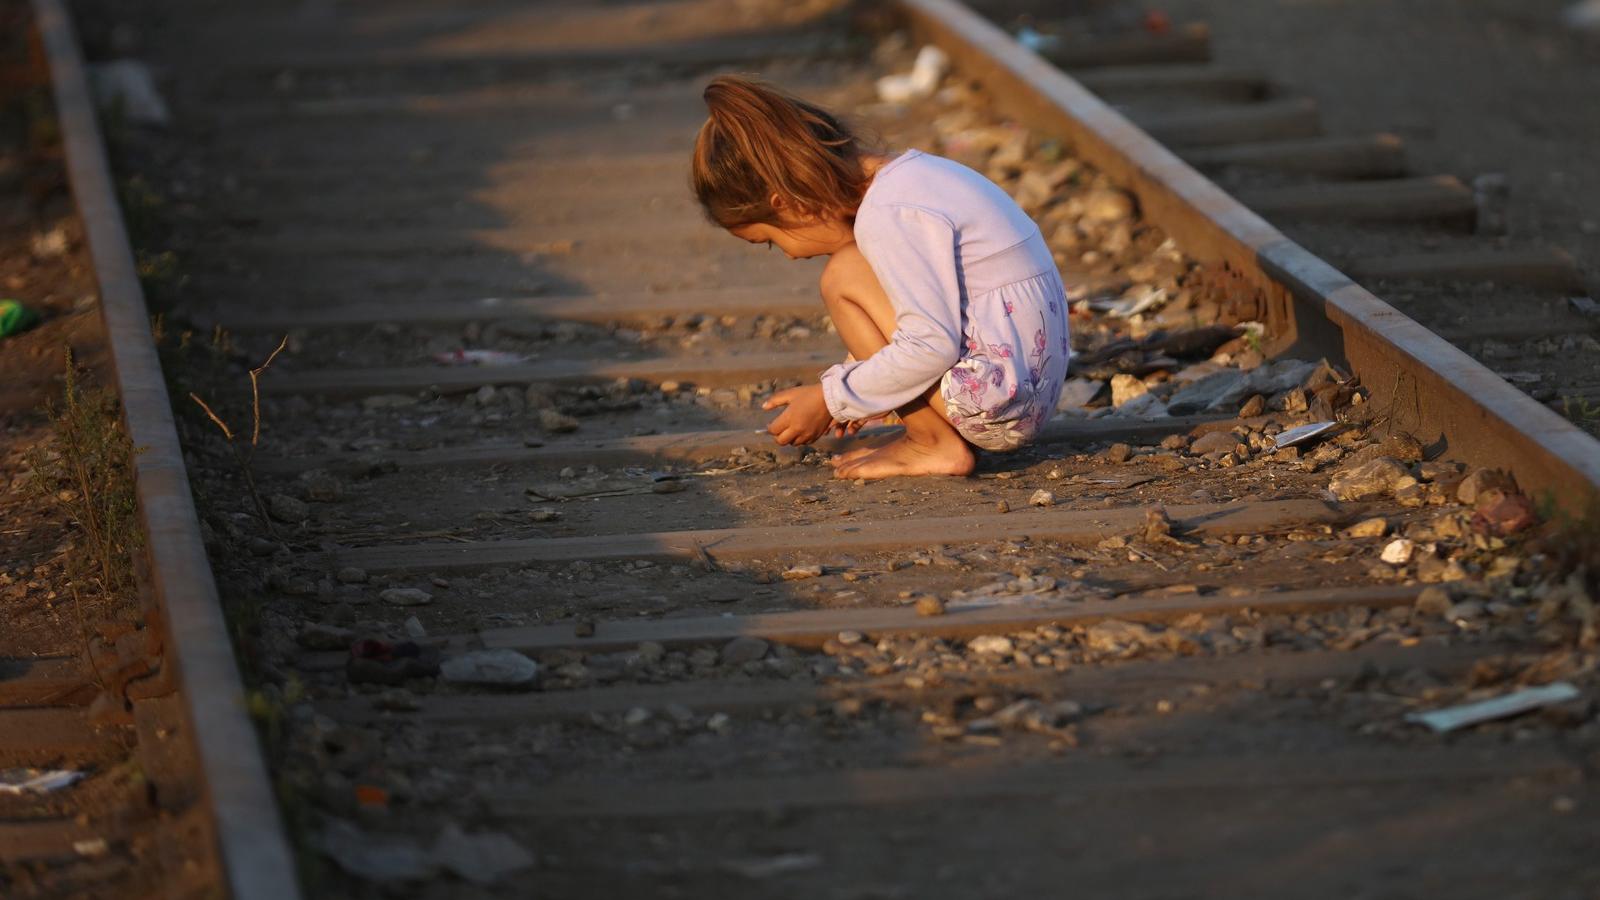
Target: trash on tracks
36,781
16,318
1452,718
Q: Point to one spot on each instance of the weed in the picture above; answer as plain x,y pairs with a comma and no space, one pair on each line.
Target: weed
244,454
87,470
1582,413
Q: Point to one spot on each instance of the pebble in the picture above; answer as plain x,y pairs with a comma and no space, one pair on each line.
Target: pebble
1118,453
351,575
1465,611
799,572
287,509
1377,526
406,597
1253,407
388,401
637,716
1042,498
851,637
557,422
930,606
1434,601
1215,442
499,668
719,723
1116,636
415,629
324,637
1107,205
1381,476
743,649
1125,388
1398,552
996,644
1480,482
1002,507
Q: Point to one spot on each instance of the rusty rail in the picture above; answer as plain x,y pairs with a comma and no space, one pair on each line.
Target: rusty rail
1442,395
244,824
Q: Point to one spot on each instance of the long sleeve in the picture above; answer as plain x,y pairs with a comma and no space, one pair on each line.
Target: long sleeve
913,253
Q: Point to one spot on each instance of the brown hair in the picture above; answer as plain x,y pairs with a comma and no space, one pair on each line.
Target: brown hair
760,141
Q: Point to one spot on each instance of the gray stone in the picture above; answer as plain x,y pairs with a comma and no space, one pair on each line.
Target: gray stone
557,422
1215,442
287,509
498,668
1117,636
351,575
743,649
406,597
324,637
375,857
388,401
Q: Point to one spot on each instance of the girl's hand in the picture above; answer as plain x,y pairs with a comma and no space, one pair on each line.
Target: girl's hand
805,417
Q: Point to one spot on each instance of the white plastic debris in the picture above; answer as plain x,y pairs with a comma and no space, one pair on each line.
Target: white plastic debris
483,857
921,81
1127,307
36,781
1035,41
1584,306
127,84
501,668
1301,434
479,358
1454,717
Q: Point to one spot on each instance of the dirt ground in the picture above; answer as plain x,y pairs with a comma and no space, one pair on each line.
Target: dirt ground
306,189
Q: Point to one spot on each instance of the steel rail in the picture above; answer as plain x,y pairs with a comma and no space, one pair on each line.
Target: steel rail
247,831
1444,397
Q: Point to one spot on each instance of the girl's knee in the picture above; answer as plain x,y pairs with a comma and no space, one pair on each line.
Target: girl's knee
846,276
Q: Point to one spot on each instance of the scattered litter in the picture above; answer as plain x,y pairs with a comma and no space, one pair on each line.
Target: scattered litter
922,81
479,358
1128,307
91,847
16,318
127,85
776,865
1301,434
481,858
375,857
1454,717
1035,41
36,781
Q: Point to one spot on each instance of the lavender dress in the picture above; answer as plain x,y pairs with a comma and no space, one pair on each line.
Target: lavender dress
980,308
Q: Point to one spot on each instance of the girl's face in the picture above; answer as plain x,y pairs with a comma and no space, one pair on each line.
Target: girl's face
799,240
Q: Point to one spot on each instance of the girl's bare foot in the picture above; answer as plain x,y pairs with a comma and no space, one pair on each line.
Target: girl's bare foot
850,456
944,454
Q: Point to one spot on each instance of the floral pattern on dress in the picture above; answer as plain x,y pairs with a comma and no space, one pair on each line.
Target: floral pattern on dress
997,396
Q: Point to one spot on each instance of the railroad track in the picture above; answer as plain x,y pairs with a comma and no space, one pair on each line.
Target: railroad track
1152,638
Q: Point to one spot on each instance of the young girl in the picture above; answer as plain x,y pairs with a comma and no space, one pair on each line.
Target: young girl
944,292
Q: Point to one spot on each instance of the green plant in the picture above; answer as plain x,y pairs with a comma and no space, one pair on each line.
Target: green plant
87,471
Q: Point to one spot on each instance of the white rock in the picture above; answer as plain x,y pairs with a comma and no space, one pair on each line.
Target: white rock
1042,498
406,597
503,668
991,643
1125,388
481,858
1398,552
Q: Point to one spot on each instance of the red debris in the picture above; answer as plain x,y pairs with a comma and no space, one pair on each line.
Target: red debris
1503,514
1157,22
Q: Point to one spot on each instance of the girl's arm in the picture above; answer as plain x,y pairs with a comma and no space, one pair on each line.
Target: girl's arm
913,253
